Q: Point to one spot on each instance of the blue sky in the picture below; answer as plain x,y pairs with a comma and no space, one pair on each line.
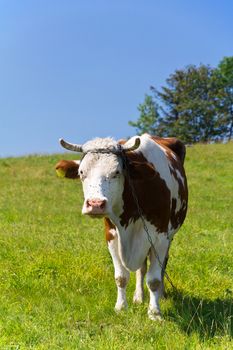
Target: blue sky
79,68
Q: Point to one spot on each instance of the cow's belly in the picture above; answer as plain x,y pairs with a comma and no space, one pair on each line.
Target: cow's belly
134,245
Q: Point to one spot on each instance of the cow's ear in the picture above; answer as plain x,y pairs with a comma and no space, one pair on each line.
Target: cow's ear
68,168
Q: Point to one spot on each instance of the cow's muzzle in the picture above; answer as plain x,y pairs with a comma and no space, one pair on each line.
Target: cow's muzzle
94,207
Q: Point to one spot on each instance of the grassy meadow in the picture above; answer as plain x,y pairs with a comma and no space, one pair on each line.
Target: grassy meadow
57,288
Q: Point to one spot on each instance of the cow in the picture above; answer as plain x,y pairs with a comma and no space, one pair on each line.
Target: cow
139,187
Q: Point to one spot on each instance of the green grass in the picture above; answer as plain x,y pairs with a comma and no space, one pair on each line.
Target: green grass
57,288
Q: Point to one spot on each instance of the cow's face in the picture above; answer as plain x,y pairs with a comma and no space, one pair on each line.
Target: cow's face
102,180
101,173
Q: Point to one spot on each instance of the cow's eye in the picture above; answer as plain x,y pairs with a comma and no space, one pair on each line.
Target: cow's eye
81,174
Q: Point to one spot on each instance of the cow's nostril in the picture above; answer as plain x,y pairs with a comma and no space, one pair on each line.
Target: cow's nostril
102,205
96,203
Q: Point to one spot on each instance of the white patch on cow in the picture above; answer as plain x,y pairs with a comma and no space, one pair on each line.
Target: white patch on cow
156,155
98,172
134,244
179,176
175,191
173,155
113,232
170,153
178,205
121,273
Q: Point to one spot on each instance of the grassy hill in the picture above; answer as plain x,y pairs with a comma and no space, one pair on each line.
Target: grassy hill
57,288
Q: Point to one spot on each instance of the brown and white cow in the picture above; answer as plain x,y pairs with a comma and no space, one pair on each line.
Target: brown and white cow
152,167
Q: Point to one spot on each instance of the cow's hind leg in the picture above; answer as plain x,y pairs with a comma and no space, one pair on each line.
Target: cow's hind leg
154,276
139,291
121,274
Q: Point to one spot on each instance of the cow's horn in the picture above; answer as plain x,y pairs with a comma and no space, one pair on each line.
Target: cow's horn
71,146
134,147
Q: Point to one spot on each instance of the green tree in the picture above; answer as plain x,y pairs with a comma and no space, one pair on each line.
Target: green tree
190,104
225,68
195,105
149,119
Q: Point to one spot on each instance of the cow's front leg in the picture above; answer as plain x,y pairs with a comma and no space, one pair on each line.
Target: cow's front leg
121,274
154,276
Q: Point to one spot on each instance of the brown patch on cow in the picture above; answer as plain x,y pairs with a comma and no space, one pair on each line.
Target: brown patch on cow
151,191
154,285
121,282
69,167
173,144
108,226
177,218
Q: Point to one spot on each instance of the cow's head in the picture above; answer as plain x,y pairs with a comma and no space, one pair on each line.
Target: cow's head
101,171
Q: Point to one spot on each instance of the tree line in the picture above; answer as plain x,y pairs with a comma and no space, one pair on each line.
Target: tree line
195,105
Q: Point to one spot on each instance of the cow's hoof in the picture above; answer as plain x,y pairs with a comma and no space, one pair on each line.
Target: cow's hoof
138,298
155,315
162,292
120,307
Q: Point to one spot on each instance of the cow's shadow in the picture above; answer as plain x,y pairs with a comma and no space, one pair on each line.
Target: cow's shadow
208,318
